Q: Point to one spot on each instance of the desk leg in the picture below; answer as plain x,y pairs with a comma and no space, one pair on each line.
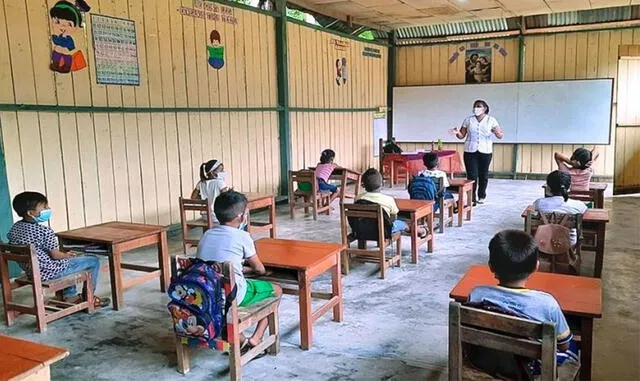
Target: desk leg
600,231
600,201
461,195
163,261
470,202
272,218
306,325
116,277
414,238
431,231
336,286
586,348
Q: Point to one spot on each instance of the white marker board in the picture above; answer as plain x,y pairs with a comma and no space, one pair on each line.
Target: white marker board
550,112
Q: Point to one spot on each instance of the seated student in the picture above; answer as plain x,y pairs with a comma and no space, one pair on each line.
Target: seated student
53,263
558,185
579,165
431,161
211,183
391,146
372,182
228,242
324,169
513,257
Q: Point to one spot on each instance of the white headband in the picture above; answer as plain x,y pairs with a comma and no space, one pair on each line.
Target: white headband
215,166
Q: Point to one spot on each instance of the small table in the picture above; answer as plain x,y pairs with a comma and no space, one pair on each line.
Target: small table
260,201
26,360
577,296
594,220
417,210
598,189
449,161
119,237
464,188
298,263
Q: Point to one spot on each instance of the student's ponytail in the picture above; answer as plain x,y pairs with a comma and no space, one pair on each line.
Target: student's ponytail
565,192
203,172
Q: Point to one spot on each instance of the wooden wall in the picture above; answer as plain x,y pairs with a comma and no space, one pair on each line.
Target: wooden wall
560,56
312,84
627,174
133,166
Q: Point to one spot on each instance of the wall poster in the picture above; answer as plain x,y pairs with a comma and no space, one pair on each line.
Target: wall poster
66,23
477,65
116,50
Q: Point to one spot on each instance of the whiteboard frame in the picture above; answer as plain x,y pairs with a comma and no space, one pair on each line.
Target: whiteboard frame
451,139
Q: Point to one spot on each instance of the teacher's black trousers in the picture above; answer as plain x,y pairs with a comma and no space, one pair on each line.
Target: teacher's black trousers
477,166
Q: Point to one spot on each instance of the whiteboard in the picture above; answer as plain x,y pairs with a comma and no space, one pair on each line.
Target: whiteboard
562,112
379,132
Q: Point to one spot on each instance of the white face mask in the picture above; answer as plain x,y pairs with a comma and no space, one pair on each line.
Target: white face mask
222,175
477,111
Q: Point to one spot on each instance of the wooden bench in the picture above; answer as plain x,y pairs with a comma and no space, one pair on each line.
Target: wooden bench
44,311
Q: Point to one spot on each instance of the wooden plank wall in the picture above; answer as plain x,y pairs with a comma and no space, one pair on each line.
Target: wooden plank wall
312,84
560,56
98,167
627,174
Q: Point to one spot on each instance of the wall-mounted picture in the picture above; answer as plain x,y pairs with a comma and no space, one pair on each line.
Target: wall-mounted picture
215,50
477,65
66,22
341,71
115,50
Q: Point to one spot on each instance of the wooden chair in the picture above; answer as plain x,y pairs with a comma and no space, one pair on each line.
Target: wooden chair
565,261
238,319
445,214
521,337
370,226
390,169
203,207
586,196
318,201
44,311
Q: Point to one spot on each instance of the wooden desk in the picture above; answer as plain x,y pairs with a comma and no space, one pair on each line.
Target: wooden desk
298,263
594,224
119,237
449,161
26,360
595,192
260,201
417,210
464,188
577,296
345,176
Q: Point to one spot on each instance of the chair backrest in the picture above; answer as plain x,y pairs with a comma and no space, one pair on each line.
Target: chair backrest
367,220
521,337
191,205
22,254
305,179
535,219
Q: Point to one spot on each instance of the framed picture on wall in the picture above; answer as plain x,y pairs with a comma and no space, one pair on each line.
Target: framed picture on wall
116,50
477,65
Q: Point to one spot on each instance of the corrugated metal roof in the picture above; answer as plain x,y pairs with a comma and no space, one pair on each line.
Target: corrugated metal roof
450,29
589,16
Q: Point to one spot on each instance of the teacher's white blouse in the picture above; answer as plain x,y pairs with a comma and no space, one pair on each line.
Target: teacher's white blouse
479,135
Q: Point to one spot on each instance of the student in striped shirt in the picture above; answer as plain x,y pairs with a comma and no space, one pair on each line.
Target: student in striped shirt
324,169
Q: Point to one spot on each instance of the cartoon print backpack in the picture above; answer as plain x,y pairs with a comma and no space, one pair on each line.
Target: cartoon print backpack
198,307
423,188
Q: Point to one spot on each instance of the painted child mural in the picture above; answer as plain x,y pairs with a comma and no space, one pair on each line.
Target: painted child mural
66,21
215,50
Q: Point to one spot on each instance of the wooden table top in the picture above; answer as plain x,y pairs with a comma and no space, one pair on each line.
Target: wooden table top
591,215
578,296
598,186
294,254
457,182
111,232
21,358
252,196
406,205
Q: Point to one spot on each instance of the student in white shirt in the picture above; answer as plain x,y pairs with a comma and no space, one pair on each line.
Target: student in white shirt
558,185
478,130
211,183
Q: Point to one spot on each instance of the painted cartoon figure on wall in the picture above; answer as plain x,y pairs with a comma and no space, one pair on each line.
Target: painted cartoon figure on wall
341,71
66,21
215,50
338,71
344,71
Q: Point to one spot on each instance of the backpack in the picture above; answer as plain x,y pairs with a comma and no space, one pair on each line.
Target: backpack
366,228
197,303
423,188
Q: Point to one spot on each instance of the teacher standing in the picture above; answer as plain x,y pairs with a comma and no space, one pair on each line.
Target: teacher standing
479,130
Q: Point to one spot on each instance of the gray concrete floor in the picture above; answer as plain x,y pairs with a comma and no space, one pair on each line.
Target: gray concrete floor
393,329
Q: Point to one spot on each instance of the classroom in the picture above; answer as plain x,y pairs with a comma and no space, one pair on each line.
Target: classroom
319,189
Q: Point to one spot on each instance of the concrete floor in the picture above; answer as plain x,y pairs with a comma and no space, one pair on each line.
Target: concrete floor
394,329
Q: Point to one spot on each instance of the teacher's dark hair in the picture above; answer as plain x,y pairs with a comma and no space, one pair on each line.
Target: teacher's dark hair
483,103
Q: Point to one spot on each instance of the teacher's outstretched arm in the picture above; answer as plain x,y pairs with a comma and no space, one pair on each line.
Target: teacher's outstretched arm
459,133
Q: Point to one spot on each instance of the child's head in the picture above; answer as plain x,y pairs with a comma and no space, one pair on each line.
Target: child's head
30,205
513,255
483,60
582,156
211,170
430,160
559,183
230,208
327,156
65,17
372,180
214,37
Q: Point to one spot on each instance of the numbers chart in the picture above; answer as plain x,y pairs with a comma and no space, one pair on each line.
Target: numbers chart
116,51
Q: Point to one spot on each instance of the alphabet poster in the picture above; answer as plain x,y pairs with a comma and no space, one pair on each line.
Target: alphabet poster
66,22
116,50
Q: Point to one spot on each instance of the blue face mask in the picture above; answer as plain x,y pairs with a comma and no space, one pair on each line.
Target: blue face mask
45,215
243,226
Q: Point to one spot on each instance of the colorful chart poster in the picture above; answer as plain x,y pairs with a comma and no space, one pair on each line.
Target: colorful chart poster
116,50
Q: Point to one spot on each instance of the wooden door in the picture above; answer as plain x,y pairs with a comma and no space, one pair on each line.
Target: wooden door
627,157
